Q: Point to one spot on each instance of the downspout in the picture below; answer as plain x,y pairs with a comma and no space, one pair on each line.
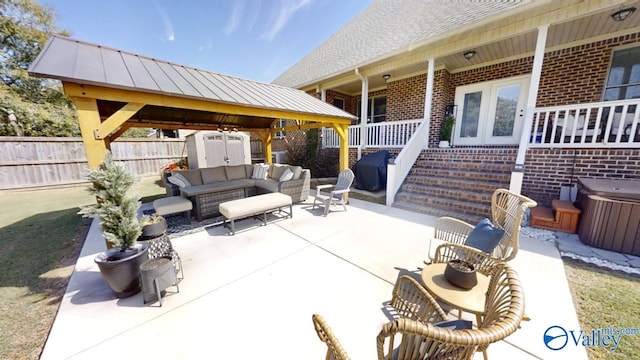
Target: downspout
364,102
517,175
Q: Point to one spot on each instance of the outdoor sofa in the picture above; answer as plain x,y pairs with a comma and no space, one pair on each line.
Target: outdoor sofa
207,188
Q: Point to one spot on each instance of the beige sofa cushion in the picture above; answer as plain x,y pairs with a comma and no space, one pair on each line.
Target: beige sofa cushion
193,176
235,172
248,169
211,175
297,171
276,171
269,185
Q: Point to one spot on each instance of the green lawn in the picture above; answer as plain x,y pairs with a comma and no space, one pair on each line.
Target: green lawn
41,235
40,238
606,299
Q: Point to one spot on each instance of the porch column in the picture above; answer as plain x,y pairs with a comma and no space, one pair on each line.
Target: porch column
517,175
364,105
428,97
323,95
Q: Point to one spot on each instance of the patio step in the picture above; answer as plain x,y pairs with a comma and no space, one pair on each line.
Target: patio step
426,173
421,183
433,211
457,182
445,202
463,195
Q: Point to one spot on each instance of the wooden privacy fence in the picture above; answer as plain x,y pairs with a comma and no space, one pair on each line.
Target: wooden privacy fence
27,162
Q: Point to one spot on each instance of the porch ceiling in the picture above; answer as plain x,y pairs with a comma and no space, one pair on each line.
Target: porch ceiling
563,32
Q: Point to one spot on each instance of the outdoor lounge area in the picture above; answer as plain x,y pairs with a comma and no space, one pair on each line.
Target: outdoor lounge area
252,295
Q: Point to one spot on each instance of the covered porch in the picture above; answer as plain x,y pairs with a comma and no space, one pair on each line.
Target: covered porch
545,63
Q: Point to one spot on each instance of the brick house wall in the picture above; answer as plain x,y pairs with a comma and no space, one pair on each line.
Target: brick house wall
569,76
405,98
348,101
546,170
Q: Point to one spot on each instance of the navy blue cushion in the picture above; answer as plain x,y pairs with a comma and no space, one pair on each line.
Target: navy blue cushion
454,324
485,236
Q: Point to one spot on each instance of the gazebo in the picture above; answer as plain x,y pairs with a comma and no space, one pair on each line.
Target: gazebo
114,90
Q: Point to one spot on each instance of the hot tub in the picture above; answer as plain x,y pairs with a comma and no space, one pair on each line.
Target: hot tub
610,214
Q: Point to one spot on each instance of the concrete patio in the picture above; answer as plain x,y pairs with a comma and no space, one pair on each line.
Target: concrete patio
251,296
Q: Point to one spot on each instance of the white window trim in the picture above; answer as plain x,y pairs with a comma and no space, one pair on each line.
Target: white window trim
280,134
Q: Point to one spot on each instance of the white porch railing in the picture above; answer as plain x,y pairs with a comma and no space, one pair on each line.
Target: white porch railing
390,134
609,124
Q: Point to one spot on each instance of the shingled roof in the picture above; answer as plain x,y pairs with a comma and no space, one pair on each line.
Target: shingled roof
386,28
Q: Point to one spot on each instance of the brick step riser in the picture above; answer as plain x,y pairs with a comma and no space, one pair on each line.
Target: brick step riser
430,210
465,166
467,207
446,192
454,183
459,174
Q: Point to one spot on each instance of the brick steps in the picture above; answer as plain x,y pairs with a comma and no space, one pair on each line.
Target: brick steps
457,182
462,182
433,211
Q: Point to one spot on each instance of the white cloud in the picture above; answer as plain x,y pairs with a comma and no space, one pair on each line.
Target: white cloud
286,10
235,17
168,26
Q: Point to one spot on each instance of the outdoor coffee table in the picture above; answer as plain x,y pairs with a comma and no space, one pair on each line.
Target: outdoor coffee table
471,300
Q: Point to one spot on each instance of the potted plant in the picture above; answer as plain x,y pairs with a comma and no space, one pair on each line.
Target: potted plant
154,225
446,130
118,215
461,274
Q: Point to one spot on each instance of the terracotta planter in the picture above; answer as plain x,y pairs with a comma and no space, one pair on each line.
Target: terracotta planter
122,274
461,274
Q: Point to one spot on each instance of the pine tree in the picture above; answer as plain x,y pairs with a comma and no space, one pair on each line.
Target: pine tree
116,209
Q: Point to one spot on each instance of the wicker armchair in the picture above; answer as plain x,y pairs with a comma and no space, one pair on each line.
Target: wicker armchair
504,308
411,300
507,210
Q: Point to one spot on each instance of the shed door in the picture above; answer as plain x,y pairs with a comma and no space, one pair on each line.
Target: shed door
235,149
214,150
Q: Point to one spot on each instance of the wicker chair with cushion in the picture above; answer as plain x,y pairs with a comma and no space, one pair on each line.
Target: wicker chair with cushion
405,338
507,210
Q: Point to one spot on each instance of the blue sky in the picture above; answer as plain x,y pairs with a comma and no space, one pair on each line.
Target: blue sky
252,39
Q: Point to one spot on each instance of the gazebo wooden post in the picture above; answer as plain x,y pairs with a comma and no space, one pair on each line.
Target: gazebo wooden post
89,119
267,146
266,137
343,133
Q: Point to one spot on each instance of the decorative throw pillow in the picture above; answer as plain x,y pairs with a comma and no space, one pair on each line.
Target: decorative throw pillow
286,175
455,324
485,236
260,171
179,180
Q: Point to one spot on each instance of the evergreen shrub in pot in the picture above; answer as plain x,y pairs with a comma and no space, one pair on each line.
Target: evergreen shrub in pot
117,211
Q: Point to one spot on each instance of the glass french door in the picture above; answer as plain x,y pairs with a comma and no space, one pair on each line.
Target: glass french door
491,113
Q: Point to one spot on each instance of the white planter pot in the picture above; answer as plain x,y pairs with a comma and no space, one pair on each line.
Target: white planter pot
443,144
